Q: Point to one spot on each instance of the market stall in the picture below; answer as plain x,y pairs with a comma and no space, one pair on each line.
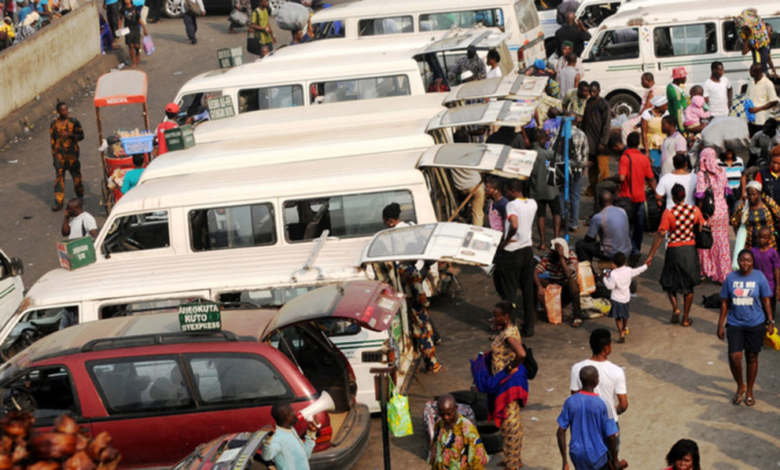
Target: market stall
121,88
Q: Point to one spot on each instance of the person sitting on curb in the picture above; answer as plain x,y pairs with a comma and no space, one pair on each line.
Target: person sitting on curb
561,265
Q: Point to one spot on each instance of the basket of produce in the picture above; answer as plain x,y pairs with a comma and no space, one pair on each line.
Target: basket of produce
135,141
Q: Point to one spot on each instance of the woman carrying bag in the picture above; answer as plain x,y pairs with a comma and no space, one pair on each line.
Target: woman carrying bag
681,264
711,188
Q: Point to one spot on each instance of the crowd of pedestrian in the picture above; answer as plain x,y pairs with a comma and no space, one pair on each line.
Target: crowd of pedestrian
694,193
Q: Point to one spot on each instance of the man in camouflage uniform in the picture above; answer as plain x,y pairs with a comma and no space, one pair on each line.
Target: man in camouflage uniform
66,133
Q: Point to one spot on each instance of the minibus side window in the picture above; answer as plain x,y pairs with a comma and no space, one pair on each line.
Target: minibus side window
546,5
36,324
527,17
492,18
220,228
194,106
732,42
329,29
138,232
690,39
354,215
594,15
360,89
616,44
142,307
383,26
258,99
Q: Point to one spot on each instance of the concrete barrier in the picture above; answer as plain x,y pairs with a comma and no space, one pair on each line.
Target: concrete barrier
48,56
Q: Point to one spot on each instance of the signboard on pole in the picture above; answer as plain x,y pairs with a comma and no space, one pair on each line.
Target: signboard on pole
200,317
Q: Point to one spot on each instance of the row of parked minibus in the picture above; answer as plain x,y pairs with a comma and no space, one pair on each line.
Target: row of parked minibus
287,195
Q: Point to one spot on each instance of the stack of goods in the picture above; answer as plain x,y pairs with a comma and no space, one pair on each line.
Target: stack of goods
64,448
136,141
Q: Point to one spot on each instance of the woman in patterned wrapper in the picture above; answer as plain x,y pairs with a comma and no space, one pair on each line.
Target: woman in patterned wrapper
681,263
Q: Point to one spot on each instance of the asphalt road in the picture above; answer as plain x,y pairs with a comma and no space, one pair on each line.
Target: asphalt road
679,384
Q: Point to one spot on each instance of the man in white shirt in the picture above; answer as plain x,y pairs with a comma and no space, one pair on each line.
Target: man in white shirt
717,91
761,91
612,379
515,258
674,144
78,222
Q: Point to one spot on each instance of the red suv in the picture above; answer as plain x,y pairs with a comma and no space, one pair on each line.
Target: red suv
160,392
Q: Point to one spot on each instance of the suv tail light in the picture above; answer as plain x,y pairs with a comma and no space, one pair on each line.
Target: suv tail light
324,437
520,55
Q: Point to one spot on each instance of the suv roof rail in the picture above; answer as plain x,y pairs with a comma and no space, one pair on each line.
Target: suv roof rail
103,344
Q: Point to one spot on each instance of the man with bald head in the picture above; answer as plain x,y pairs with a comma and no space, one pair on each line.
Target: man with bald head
282,445
593,433
456,444
574,31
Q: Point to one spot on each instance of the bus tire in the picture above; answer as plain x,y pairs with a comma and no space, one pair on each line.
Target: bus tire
623,103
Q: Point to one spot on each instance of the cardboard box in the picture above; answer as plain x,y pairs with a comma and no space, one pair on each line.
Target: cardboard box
76,253
179,138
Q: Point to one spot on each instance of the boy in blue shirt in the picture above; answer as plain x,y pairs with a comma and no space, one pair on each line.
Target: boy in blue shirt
283,445
133,176
593,433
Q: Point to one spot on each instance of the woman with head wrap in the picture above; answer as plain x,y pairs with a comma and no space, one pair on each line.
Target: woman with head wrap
652,134
681,263
715,262
756,212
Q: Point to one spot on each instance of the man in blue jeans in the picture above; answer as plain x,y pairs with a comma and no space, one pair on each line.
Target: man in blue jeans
578,157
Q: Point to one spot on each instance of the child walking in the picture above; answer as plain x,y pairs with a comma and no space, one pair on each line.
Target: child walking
767,260
619,282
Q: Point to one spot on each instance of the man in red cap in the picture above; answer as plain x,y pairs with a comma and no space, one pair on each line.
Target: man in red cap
171,111
676,96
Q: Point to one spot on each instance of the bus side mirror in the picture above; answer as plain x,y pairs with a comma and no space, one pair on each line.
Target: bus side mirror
17,267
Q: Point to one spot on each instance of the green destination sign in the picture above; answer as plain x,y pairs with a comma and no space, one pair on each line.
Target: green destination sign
197,317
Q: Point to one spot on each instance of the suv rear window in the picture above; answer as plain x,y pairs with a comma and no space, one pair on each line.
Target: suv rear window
140,385
354,215
236,378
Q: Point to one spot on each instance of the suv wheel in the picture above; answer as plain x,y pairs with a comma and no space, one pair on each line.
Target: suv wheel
174,8
276,5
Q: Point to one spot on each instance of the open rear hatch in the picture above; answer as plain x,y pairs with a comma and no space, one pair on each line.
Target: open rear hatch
298,330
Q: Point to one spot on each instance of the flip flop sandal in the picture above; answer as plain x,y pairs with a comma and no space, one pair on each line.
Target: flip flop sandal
675,317
687,323
621,340
737,399
750,401
437,370
576,323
